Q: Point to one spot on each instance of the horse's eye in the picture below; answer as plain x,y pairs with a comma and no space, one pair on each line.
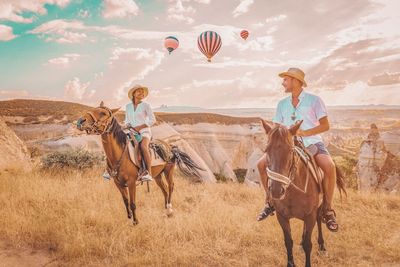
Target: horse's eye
102,113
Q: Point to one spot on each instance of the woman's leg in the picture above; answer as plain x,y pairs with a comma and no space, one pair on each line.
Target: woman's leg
144,145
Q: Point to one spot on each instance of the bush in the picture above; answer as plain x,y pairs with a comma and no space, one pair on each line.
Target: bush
240,174
220,178
74,158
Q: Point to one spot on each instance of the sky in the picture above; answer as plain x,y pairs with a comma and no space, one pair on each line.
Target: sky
86,51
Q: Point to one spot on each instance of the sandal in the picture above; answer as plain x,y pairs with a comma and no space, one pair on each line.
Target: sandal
330,221
268,210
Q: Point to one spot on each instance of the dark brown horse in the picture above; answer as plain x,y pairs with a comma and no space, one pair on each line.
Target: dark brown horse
294,191
101,121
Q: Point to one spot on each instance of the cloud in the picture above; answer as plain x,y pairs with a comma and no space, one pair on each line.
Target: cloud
242,8
84,13
276,18
385,79
61,31
12,10
13,94
357,61
180,13
359,93
6,33
64,61
148,59
119,8
75,89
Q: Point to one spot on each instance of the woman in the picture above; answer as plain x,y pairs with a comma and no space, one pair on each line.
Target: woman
139,117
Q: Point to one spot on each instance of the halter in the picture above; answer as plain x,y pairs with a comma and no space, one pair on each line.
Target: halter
287,181
94,126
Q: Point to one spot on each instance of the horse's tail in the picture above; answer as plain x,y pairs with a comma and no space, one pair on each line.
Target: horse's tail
185,163
340,182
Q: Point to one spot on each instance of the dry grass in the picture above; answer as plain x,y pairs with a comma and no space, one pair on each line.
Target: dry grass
81,219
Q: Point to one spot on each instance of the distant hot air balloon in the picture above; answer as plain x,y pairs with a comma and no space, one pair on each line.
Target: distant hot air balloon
209,43
171,43
244,34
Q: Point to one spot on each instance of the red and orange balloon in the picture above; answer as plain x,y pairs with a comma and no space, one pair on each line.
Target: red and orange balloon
244,34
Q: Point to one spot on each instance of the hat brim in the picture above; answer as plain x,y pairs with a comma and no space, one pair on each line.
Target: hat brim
132,91
283,74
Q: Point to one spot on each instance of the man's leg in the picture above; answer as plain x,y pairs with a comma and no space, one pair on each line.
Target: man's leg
325,162
262,169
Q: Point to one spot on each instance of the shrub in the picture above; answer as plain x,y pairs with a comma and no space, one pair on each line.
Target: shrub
240,174
73,158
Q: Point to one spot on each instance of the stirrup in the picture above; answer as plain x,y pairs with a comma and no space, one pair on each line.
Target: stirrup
330,220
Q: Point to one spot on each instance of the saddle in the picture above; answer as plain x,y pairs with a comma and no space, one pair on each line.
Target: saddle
307,156
158,151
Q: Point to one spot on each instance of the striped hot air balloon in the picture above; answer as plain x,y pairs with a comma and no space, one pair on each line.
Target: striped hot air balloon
171,43
244,34
209,43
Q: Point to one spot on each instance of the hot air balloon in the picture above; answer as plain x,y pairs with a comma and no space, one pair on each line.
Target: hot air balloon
244,34
209,43
171,43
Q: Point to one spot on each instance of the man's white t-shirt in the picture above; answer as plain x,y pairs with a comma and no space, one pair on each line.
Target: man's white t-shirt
310,109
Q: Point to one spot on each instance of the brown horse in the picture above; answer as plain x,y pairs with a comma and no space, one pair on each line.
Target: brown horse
294,191
101,121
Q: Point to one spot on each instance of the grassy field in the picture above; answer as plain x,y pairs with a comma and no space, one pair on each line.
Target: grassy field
80,219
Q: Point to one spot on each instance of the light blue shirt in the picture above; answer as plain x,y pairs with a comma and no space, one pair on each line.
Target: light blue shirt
310,109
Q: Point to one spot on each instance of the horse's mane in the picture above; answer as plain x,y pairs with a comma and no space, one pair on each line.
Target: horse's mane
118,133
278,135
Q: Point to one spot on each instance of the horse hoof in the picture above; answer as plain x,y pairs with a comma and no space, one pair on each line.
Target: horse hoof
170,212
322,252
135,222
129,215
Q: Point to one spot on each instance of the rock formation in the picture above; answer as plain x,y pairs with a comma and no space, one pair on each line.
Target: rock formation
378,165
13,151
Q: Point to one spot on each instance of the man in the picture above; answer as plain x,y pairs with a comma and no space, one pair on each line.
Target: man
311,109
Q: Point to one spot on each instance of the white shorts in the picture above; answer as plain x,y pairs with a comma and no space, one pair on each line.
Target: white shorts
146,132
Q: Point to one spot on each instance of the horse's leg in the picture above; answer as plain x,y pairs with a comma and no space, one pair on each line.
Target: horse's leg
321,241
285,225
309,223
132,199
124,193
161,184
169,176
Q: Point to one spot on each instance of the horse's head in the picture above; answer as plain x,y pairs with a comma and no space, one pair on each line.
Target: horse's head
280,156
96,121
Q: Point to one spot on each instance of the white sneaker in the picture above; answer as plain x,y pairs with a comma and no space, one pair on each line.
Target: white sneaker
106,175
146,177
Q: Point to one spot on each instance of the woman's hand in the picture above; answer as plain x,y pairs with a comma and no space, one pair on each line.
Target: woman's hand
301,133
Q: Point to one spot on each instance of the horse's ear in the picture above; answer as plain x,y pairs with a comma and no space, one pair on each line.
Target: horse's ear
101,104
293,130
266,126
114,110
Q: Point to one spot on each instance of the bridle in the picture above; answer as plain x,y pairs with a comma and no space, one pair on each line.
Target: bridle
94,127
287,181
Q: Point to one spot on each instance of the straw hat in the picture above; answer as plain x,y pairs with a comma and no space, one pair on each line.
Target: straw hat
295,73
136,87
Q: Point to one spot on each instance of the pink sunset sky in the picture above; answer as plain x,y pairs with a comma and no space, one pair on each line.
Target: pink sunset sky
87,51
